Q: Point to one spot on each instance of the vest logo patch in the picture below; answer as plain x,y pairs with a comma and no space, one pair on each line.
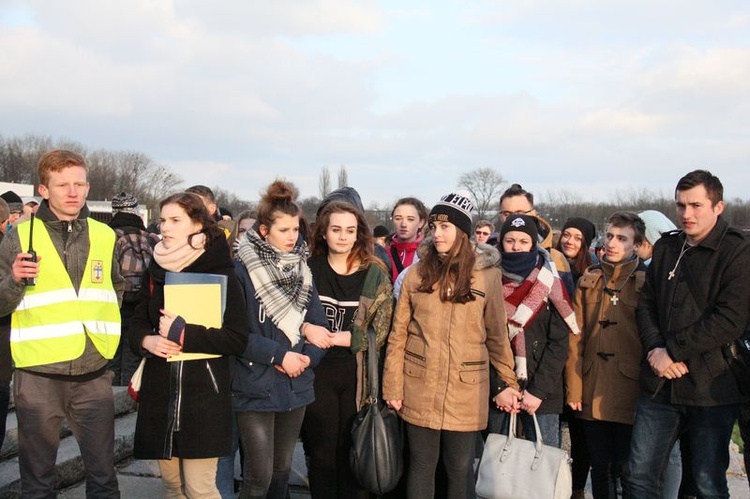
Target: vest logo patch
97,271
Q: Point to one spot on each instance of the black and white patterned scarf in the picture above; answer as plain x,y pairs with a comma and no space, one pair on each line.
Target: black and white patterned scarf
282,280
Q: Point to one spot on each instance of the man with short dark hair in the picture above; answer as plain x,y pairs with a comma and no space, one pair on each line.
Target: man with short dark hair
602,370
516,200
694,301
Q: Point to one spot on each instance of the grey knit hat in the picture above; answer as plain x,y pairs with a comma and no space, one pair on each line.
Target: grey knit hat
125,203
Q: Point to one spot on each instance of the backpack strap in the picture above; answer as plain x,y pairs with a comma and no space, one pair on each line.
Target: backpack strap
397,260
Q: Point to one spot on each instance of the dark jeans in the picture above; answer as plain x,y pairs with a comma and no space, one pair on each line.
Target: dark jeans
704,433
125,362
41,405
268,440
326,430
457,449
609,447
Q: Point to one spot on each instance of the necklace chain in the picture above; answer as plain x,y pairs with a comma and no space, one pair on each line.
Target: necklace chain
673,272
613,292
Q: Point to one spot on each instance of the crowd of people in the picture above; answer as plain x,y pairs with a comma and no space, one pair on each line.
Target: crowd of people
474,321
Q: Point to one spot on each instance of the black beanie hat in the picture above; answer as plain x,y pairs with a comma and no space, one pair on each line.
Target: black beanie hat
520,223
15,203
586,227
455,208
380,231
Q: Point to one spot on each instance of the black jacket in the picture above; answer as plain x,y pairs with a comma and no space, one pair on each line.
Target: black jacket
194,393
705,306
546,353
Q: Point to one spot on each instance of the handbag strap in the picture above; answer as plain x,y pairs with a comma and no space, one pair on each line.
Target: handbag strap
373,378
539,445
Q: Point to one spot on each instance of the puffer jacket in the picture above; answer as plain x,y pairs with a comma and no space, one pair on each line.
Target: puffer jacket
185,408
694,321
71,239
604,361
257,386
439,353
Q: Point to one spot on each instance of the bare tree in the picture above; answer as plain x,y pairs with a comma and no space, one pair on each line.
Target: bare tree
343,177
231,201
485,185
324,182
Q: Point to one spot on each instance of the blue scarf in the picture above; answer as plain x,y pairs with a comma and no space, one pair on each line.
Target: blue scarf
519,264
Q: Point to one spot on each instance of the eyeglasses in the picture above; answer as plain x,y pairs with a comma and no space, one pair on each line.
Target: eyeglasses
481,233
517,212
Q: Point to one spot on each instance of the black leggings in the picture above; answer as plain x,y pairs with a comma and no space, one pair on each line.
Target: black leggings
268,440
457,449
326,430
609,448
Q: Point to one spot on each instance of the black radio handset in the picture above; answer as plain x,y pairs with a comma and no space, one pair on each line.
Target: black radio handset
31,281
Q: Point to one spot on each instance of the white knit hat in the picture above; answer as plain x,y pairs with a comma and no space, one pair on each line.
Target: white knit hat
657,224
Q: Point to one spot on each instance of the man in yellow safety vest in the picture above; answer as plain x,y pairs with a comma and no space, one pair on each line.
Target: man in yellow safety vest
61,284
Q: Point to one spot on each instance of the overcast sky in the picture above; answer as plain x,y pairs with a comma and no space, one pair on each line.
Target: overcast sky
583,96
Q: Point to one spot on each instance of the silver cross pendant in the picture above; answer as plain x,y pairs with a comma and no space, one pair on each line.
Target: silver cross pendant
614,299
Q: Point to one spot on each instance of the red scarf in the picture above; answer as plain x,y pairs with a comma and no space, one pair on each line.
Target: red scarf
524,301
405,252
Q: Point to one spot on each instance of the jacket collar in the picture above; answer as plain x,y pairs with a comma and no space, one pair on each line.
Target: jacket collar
44,213
713,240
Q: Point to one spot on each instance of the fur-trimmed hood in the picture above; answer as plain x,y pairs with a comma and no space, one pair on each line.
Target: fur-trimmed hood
486,256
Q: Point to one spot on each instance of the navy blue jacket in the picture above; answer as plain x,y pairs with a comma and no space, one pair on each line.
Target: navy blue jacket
257,386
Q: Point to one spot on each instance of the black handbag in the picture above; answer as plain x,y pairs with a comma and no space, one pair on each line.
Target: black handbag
377,455
737,355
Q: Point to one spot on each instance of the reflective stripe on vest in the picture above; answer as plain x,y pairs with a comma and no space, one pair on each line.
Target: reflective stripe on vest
51,322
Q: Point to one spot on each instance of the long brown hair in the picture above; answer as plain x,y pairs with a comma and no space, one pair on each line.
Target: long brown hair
363,249
451,272
582,260
197,212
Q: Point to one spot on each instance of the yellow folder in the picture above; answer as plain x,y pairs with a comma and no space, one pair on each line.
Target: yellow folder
197,304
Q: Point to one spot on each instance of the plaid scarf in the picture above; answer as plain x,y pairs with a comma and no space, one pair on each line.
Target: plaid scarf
525,299
282,280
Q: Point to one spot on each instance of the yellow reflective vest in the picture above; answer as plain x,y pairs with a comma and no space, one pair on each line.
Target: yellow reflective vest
51,322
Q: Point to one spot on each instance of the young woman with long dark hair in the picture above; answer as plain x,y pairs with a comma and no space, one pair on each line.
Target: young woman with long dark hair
356,291
185,411
449,330
575,240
